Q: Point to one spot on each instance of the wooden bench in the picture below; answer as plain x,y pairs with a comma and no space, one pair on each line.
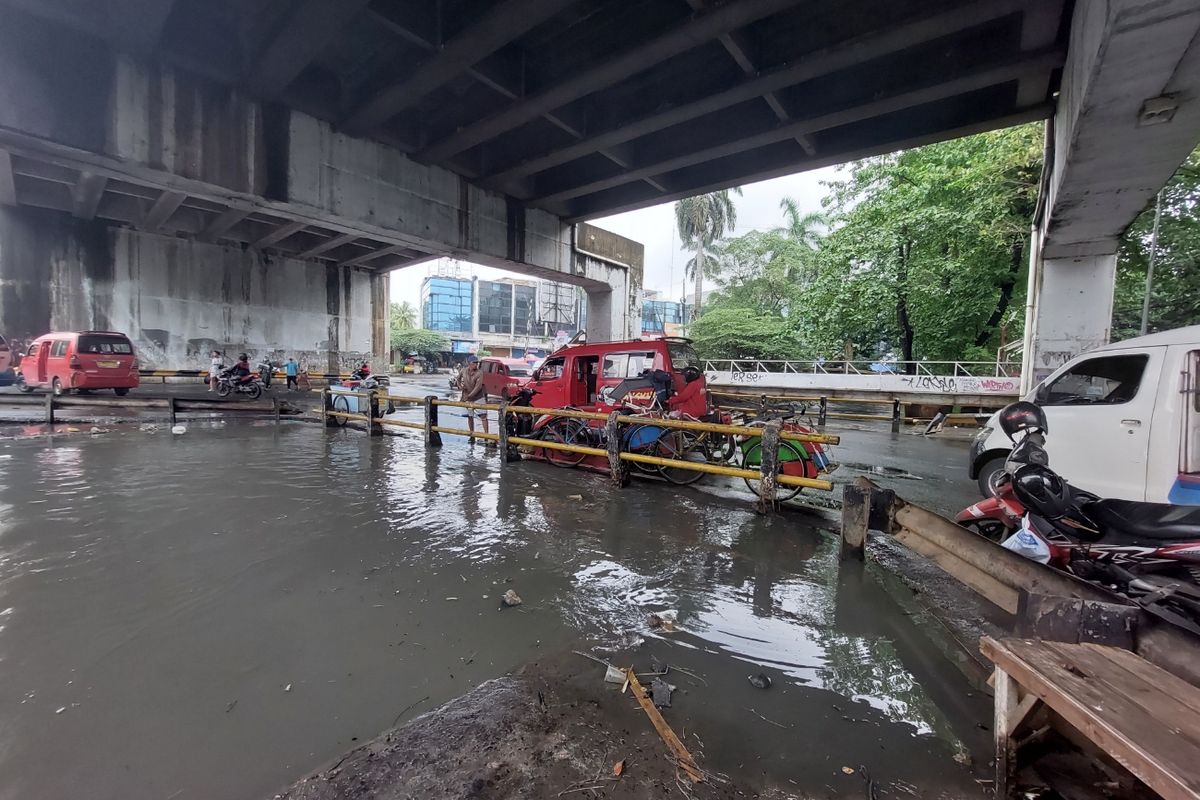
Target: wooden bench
1146,719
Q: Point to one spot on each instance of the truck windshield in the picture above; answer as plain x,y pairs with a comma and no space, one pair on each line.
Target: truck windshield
682,355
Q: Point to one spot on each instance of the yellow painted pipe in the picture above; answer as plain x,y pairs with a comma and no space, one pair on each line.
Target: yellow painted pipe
464,404
565,413
719,469
733,430
398,399
398,423
344,415
491,437
552,445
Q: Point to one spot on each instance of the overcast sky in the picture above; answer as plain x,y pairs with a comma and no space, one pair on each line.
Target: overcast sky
757,209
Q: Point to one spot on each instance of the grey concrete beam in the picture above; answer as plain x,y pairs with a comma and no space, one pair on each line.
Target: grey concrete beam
8,185
87,195
332,243
978,78
581,211
371,255
223,222
138,24
844,55
279,233
308,30
700,29
166,205
501,24
1039,28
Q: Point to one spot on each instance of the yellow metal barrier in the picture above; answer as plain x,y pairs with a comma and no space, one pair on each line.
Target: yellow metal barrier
720,469
547,444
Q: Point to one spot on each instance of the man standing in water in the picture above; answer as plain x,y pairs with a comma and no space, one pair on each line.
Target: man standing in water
473,392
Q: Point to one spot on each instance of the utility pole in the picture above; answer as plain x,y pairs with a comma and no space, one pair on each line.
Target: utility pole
1150,266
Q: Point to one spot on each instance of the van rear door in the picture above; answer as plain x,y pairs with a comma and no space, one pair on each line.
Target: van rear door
1099,411
1186,489
104,354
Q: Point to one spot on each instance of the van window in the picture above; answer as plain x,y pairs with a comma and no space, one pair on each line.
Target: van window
1104,380
627,365
615,364
59,348
105,345
553,368
33,348
1191,430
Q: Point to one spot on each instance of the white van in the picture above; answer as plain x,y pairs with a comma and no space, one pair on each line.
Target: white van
1124,421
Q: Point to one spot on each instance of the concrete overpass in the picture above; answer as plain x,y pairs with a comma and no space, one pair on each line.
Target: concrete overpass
185,159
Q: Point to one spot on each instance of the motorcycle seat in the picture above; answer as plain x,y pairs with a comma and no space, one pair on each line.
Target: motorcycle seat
1150,522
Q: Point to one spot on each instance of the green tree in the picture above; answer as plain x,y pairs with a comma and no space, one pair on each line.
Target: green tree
1174,298
806,228
419,340
733,332
403,316
702,220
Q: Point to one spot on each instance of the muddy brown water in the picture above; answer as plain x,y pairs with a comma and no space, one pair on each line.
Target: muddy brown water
216,614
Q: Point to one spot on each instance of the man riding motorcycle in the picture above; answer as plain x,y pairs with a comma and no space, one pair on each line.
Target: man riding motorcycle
692,399
241,370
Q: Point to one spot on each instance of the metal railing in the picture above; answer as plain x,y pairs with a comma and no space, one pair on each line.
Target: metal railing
966,369
768,474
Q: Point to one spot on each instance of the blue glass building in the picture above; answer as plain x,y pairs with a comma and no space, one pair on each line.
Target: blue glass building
446,305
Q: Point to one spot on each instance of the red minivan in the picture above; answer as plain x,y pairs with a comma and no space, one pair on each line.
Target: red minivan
499,374
80,361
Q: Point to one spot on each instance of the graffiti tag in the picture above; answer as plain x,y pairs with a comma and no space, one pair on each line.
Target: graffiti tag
931,383
746,377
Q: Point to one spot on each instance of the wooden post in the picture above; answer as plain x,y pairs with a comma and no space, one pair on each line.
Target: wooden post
768,467
502,431
50,408
895,416
856,512
327,404
822,411
275,408
618,469
432,437
1005,689
373,426
171,410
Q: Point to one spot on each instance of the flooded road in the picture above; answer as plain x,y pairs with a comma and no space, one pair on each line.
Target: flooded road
216,614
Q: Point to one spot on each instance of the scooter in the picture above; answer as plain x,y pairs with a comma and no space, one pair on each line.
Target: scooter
228,383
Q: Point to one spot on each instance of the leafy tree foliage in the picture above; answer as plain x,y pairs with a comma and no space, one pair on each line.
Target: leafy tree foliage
403,316
419,340
702,220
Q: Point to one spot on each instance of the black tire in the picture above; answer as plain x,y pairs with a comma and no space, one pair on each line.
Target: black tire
564,431
646,469
782,493
682,445
57,387
255,391
120,392
341,403
722,449
988,472
990,529
223,389
22,386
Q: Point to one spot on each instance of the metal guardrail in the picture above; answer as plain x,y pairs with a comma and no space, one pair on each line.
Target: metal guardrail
767,474
172,405
967,369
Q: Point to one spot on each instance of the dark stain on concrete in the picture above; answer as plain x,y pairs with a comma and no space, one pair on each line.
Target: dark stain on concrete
515,220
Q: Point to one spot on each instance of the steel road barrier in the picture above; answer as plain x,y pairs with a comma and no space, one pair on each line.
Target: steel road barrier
770,433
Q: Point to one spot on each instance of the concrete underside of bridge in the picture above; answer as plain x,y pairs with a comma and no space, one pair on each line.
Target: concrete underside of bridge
1127,116
226,161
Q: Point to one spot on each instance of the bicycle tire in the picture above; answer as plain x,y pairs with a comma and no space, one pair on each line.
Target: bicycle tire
626,437
341,404
563,431
678,444
782,493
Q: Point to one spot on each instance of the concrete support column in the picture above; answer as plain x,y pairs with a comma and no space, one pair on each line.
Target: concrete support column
381,345
1069,311
600,314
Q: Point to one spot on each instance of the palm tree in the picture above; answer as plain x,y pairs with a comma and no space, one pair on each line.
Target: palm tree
404,316
702,220
806,229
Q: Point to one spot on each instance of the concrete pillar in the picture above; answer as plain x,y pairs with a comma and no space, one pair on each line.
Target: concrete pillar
600,316
381,345
1069,311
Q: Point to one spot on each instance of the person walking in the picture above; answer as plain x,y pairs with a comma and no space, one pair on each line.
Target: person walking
472,392
292,370
214,370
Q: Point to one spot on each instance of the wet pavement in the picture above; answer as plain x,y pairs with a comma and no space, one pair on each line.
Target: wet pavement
216,614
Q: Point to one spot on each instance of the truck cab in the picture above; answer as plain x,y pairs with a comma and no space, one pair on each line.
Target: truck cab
578,375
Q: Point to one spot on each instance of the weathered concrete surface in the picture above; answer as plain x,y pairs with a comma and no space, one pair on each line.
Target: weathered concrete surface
1071,302
179,298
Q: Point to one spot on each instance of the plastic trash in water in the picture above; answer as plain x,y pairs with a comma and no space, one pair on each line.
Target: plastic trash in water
179,430
614,675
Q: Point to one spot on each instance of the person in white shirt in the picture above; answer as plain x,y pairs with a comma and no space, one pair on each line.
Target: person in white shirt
214,370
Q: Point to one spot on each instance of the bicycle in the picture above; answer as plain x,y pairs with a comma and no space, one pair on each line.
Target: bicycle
797,459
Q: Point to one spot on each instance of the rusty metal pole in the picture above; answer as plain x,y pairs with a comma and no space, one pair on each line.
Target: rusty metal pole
823,411
856,512
618,469
275,408
768,467
432,437
171,411
373,426
502,432
50,408
327,404
895,416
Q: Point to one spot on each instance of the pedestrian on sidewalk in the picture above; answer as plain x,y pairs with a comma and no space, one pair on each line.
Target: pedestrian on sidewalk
472,392
214,370
292,370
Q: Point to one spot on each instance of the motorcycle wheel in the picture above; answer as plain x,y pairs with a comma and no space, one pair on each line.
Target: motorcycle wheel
222,390
990,529
255,391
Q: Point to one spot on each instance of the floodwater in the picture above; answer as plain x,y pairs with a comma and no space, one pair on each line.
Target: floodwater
217,614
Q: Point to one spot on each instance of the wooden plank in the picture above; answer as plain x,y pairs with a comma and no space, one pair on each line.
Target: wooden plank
995,592
856,502
1124,729
1180,691
682,756
1005,703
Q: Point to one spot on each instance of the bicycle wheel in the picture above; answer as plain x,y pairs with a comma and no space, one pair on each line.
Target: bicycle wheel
752,458
641,439
342,404
683,446
720,448
564,431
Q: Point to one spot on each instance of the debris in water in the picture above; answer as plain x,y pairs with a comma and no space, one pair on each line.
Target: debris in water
179,430
614,675
619,768
451,598
230,706
759,681
511,599
574,497
287,688
682,757
848,770
95,430
64,708
963,758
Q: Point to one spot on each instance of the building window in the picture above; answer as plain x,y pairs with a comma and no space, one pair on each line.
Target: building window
495,307
446,305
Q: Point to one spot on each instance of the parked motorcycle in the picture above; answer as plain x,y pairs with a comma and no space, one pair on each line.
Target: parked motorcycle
1142,549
